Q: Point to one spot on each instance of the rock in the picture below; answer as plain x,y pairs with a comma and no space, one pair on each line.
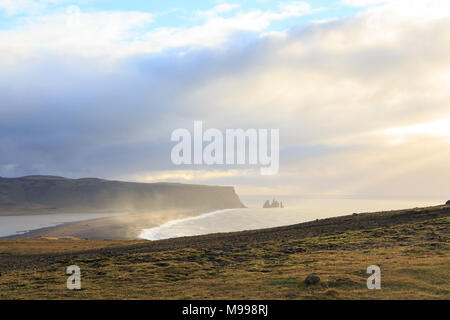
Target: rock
447,203
286,250
312,279
274,204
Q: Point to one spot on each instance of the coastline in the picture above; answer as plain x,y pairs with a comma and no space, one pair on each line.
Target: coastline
51,223
407,243
152,233
58,212
124,227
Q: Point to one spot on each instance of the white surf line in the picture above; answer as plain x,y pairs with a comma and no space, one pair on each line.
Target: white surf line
152,234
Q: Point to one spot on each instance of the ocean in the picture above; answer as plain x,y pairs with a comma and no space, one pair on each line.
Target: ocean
14,225
296,210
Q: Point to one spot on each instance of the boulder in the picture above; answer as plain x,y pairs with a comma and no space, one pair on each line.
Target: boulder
312,279
286,250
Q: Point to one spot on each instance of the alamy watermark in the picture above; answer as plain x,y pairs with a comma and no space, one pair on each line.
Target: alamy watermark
73,14
235,147
374,281
74,280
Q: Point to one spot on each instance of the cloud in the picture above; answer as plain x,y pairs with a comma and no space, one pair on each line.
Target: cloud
190,175
425,9
70,31
363,3
69,108
221,8
13,7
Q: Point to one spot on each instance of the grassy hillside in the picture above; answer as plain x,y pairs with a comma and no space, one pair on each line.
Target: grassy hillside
410,246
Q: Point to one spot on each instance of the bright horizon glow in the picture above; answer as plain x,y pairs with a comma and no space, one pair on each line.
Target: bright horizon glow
440,128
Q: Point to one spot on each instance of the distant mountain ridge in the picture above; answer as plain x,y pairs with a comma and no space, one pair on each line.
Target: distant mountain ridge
31,194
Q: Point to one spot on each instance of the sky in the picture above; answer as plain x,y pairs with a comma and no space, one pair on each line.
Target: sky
359,89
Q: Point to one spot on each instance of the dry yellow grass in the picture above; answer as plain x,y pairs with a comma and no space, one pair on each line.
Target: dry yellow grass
414,260
56,245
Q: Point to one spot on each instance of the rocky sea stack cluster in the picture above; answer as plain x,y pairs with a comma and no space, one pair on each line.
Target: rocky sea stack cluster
273,204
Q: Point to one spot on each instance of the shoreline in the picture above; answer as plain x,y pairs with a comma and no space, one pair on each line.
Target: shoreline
412,245
51,212
54,225
153,232
131,226
30,233
122,227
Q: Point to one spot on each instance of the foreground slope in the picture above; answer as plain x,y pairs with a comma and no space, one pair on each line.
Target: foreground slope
410,246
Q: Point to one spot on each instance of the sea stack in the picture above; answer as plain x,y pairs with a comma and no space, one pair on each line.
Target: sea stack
274,204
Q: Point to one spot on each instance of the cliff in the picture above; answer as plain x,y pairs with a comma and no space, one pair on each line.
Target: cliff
33,194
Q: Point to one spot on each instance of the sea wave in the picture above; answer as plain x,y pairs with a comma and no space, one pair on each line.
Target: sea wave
155,233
